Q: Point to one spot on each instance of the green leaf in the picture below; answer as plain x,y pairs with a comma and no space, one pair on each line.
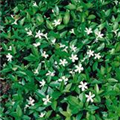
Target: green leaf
73,100
60,27
35,51
97,89
107,13
39,19
71,6
19,111
101,47
102,70
66,114
112,80
40,93
30,58
79,116
67,88
57,10
92,107
22,21
56,94
49,24
66,17
25,117
90,17
54,105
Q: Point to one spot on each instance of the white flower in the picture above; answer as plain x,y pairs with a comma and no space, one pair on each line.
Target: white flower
99,34
13,102
95,41
73,48
22,83
39,35
35,4
29,33
12,16
88,30
63,78
72,31
72,72
15,22
14,68
90,97
97,56
42,114
56,22
45,35
55,62
31,101
44,54
26,29
46,100
53,41
90,53
50,73
83,86
88,46
53,11
10,48
42,83
9,57
36,71
62,45
79,68
73,58
116,2
63,62
65,49
36,44
27,106
115,31
84,58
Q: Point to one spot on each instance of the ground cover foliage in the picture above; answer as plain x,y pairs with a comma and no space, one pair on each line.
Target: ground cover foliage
60,60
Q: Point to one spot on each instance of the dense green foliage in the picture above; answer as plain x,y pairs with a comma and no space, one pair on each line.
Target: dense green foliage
60,60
